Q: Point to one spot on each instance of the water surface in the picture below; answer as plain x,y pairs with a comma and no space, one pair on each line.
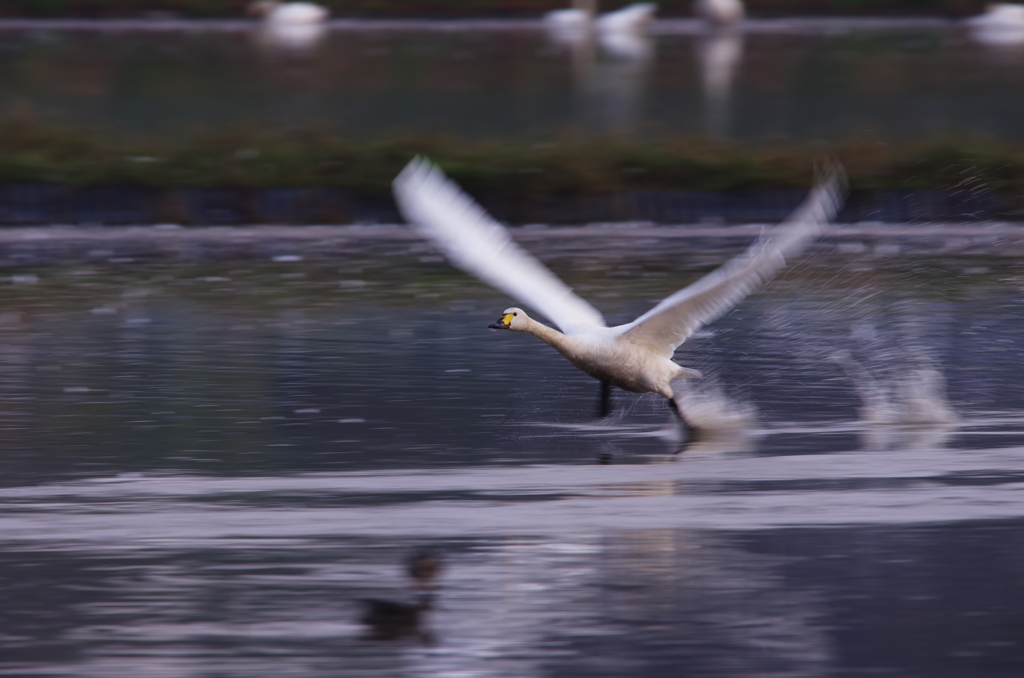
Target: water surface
216,442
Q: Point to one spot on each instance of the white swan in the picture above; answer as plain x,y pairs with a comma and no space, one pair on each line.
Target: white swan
720,11
289,13
568,20
633,18
1000,25
292,28
636,356
579,21
1000,15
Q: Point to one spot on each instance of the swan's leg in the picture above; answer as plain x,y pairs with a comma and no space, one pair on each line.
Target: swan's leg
604,403
687,429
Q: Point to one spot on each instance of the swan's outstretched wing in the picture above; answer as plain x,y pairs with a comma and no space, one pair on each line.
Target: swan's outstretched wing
669,323
438,209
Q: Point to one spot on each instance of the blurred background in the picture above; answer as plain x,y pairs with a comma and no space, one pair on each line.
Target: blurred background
543,119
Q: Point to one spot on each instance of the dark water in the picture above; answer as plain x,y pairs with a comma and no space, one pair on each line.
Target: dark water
215,443
773,80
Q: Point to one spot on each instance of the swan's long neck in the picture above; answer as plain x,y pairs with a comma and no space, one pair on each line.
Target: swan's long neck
548,335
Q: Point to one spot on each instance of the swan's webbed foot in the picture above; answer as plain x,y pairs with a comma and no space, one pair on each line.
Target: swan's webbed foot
604,400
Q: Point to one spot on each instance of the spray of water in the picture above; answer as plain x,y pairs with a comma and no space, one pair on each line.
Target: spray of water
913,397
707,407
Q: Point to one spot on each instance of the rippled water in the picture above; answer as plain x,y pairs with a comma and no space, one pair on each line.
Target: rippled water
797,80
216,443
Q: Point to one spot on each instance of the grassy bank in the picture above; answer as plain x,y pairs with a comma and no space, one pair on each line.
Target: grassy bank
462,8
31,153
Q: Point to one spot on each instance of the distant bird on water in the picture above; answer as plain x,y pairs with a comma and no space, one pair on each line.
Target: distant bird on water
1000,15
291,28
1001,25
636,356
720,12
289,13
392,620
630,19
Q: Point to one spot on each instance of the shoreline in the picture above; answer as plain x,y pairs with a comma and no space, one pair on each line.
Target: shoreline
29,247
41,204
670,26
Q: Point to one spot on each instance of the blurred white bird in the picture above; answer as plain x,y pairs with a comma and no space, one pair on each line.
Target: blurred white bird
1006,15
1000,25
636,356
288,13
572,20
290,29
633,18
720,11
579,21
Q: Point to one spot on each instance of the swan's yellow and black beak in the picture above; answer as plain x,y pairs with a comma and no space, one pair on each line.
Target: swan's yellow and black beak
503,322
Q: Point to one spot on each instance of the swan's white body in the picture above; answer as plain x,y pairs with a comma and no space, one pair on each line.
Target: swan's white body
1000,16
568,20
636,356
633,18
1000,26
290,13
720,11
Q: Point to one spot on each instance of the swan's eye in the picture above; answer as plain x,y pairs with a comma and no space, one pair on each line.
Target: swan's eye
508,318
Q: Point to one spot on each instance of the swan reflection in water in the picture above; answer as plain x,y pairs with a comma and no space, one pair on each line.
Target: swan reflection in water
610,57
290,40
719,53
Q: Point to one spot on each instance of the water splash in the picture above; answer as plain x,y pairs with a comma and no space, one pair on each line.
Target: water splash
707,407
916,396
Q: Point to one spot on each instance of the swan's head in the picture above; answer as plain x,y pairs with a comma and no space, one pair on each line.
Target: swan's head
512,319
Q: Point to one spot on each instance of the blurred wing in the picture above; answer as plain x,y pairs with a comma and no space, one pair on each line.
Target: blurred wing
472,240
669,323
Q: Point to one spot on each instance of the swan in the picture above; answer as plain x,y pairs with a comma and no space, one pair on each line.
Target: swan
1000,15
636,356
720,11
1002,25
579,20
568,20
289,13
633,18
